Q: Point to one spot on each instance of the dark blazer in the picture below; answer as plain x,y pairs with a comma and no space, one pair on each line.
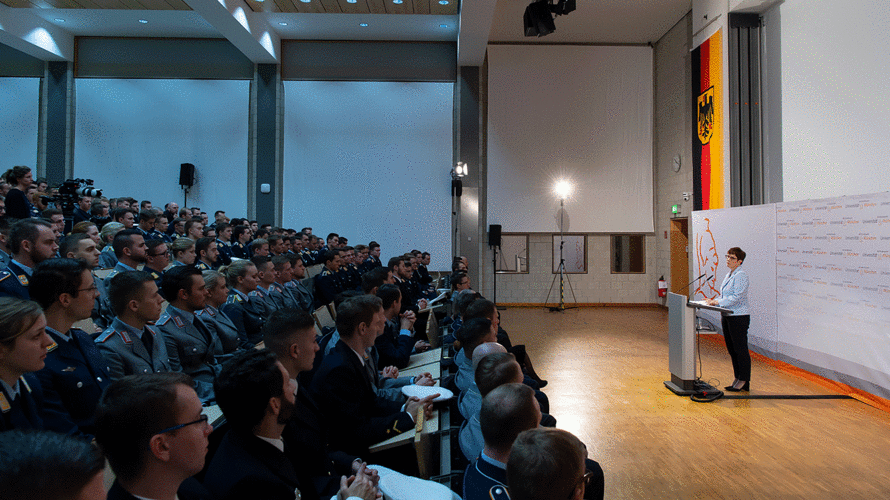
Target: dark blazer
481,477
327,285
393,348
306,445
409,295
72,382
357,416
246,467
21,413
14,282
190,489
248,317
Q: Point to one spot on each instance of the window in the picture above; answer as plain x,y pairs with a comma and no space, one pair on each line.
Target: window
513,254
628,254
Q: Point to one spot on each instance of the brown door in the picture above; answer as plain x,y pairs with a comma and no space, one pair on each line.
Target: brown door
679,255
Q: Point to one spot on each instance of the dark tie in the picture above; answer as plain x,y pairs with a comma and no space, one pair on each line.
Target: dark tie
148,342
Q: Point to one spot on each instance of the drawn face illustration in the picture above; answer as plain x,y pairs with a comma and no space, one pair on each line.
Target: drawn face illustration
708,261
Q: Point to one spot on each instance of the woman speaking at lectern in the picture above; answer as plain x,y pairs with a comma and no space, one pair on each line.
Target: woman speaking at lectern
734,296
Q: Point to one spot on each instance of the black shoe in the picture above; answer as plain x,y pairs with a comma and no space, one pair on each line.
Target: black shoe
744,388
542,384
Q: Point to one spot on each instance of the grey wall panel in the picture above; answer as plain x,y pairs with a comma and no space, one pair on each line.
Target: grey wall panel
368,61
16,63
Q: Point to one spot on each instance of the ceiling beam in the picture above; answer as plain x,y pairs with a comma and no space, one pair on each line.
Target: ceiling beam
33,35
247,31
475,25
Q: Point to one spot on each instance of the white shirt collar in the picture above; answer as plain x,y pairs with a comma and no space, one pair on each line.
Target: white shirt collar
278,443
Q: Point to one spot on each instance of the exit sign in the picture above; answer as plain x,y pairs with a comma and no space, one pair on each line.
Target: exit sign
675,209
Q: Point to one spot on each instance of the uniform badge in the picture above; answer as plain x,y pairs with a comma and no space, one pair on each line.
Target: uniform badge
69,369
178,321
4,403
23,279
52,347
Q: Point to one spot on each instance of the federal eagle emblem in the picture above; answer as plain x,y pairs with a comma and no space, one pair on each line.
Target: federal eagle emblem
705,116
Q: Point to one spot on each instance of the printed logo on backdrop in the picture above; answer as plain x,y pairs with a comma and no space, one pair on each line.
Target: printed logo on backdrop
706,116
708,261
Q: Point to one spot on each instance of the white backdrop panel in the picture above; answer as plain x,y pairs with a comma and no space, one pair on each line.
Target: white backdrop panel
370,160
579,113
132,135
833,278
753,230
835,104
18,113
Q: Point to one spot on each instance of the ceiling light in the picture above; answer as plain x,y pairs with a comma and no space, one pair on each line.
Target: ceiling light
364,25
396,1
351,1
443,2
443,25
283,24
143,21
305,1
60,20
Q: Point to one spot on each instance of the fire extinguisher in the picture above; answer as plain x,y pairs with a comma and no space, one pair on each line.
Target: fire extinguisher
662,287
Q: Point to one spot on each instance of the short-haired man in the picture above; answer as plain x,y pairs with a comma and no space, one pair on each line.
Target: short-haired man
331,242
375,278
506,411
191,346
171,210
396,343
283,274
56,219
125,216
265,278
75,373
298,290
157,258
31,242
207,253
373,259
474,332
552,463
493,370
80,246
130,251
276,244
402,271
259,248
82,209
147,224
328,283
5,226
194,229
160,230
153,433
344,383
224,242
257,396
130,345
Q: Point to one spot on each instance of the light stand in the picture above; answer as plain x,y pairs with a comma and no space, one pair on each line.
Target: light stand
562,189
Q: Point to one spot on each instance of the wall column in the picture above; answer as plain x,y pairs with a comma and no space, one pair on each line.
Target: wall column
55,134
265,144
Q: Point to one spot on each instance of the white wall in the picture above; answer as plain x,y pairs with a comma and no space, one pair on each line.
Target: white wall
140,131
835,97
371,161
583,113
19,101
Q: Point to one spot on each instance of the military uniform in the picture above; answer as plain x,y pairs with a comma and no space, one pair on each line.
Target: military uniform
155,275
203,266
107,259
161,236
302,295
287,298
351,277
5,259
125,352
327,286
248,315
14,281
485,479
225,252
222,326
72,381
20,410
146,235
240,250
191,347
104,313
271,303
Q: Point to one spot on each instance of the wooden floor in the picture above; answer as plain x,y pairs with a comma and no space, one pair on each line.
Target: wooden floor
606,367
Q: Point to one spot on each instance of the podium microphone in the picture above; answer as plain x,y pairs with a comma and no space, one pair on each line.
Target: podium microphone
693,281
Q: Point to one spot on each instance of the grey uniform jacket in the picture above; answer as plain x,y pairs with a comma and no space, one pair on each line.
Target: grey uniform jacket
221,326
301,294
126,354
192,348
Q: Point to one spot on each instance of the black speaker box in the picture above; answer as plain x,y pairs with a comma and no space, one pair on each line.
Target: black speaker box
186,174
494,235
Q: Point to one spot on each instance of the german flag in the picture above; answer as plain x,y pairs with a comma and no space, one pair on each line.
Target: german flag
707,116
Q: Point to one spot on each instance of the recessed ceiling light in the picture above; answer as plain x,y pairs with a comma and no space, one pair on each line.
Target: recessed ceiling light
351,1
143,21
60,20
397,1
305,1
364,25
443,25
443,2
283,24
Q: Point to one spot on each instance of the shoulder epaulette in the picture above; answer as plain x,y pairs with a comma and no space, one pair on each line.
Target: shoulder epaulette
151,330
498,492
4,275
112,274
4,403
163,319
178,321
52,347
256,293
105,336
25,383
23,279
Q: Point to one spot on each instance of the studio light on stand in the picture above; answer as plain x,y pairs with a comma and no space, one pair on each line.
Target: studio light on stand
562,189
458,171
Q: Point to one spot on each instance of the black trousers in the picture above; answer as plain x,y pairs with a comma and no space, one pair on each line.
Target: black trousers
735,334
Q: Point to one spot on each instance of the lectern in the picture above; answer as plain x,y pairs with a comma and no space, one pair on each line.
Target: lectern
681,342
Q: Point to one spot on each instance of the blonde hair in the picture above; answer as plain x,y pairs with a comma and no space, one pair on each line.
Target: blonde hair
237,269
16,317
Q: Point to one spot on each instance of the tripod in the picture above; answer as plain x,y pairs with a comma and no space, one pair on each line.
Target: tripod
561,271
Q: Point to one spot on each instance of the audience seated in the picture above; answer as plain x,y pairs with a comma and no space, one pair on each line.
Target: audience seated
23,346
107,259
31,242
300,294
265,289
217,321
80,246
75,373
157,258
49,466
246,312
396,344
474,332
206,253
153,433
552,463
129,345
191,346
329,282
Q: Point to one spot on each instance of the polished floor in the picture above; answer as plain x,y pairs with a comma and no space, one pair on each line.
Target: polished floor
606,367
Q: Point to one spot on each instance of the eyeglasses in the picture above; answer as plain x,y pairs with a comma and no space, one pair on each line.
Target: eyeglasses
93,288
586,478
167,253
203,420
730,257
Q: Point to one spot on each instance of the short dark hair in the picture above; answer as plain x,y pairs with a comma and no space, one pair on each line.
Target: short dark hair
118,213
25,230
738,253
124,239
152,244
456,278
393,262
498,368
372,245
124,287
203,244
332,235
280,260
464,299
545,463
473,331
506,411
238,231
281,325
54,277
147,215
480,308
374,278
43,464
245,385
49,212
222,226
132,410
191,222
70,243
354,311
260,261
330,255
388,294
178,278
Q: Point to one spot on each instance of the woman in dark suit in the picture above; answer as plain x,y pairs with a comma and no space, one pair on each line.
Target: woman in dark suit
216,320
247,313
23,348
734,296
18,206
